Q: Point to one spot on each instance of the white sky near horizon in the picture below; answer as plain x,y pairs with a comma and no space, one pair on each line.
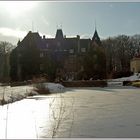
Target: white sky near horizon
75,18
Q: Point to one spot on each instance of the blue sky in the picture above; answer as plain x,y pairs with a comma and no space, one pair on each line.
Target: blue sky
75,18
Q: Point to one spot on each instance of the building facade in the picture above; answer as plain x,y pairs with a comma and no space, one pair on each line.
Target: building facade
58,57
135,64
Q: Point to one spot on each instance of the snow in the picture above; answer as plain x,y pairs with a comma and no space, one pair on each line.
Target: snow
93,112
53,87
119,81
134,77
114,83
12,94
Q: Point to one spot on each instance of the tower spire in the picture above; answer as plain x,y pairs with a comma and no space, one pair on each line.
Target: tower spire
56,26
61,25
32,26
95,25
96,37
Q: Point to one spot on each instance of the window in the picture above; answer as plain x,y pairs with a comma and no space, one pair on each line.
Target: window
133,69
41,54
95,56
71,51
47,45
58,44
41,67
83,50
19,55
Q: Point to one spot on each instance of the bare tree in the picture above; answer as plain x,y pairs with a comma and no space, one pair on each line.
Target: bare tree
119,51
5,49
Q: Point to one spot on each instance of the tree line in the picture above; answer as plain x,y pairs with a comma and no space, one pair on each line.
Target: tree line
119,51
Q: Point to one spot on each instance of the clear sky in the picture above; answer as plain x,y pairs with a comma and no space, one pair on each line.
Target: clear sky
75,18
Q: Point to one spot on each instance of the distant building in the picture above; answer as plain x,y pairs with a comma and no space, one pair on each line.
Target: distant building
135,64
33,55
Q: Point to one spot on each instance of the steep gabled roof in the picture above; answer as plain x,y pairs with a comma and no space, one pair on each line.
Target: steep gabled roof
33,37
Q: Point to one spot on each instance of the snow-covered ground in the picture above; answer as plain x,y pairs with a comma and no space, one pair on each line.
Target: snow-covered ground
119,81
11,94
134,77
53,87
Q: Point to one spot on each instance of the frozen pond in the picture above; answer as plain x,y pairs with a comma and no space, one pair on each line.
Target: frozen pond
77,113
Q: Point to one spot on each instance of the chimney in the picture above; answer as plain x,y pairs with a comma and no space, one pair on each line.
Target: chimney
43,36
78,43
78,37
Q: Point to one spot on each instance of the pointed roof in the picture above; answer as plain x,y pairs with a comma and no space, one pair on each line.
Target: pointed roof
96,38
32,37
59,34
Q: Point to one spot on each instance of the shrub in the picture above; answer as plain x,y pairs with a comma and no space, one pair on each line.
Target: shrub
136,83
41,88
120,74
2,101
127,83
94,83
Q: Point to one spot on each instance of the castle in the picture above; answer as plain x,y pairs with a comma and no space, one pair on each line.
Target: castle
58,57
